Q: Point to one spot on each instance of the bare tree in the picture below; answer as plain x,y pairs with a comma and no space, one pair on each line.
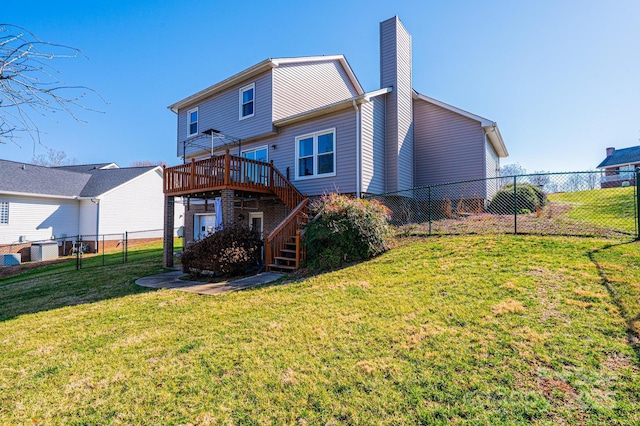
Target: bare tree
514,169
29,84
540,178
53,158
147,163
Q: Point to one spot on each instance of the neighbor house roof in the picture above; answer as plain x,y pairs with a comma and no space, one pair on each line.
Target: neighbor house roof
87,167
20,178
259,68
621,157
490,127
65,182
105,180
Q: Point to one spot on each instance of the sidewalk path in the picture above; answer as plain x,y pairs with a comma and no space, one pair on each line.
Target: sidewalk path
171,280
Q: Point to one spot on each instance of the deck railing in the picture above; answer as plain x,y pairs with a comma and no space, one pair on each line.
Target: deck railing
229,171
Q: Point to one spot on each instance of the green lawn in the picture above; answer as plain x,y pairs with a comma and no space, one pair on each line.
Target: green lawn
609,208
473,329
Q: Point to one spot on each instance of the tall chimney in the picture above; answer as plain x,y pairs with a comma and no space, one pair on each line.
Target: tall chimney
395,71
610,151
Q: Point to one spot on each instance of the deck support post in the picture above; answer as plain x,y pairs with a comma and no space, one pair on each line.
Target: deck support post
169,210
227,196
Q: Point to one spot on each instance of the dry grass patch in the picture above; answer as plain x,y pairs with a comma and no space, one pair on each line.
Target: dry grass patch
508,307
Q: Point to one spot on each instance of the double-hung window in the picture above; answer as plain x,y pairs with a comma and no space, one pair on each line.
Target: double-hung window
316,155
247,100
4,212
192,122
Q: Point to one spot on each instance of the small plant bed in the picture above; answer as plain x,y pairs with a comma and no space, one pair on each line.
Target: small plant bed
228,252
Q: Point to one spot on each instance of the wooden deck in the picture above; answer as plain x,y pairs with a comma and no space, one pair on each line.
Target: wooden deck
229,172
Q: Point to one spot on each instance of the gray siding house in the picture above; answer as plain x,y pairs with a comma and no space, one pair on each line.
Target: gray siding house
260,142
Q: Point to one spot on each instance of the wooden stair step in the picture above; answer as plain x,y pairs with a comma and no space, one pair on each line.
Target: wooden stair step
286,259
277,266
288,251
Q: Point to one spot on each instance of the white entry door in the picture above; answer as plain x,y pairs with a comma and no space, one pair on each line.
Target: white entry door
203,224
256,220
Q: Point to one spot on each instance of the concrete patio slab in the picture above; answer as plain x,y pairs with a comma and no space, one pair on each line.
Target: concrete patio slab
171,280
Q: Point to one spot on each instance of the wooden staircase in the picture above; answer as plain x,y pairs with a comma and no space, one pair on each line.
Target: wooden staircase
283,249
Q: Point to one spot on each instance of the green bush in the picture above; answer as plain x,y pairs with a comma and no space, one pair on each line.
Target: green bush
529,198
345,230
231,251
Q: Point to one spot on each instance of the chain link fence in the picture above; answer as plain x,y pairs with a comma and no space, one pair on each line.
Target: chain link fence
86,251
578,203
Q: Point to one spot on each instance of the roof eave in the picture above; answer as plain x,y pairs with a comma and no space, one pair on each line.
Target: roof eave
38,195
234,79
327,109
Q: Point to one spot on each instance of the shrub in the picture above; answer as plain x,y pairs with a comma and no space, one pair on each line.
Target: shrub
231,251
530,198
345,230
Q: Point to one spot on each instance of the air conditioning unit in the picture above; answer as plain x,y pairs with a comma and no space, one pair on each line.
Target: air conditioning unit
11,259
22,239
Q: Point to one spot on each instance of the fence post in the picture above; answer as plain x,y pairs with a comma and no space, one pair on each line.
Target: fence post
515,205
103,250
78,245
637,203
429,208
126,246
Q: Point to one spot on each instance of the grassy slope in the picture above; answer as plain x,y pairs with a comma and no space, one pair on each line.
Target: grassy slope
611,207
488,330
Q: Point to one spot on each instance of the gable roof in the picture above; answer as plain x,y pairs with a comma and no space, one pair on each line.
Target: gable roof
65,181
490,127
105,180
259,68
621,157
23,178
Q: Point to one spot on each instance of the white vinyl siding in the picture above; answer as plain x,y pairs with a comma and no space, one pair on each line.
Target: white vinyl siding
4,212
246,100
316,155
192,125
306,86
492,169
138,205
39,219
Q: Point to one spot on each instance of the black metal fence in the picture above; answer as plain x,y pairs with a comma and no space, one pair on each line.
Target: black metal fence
86,251
577,203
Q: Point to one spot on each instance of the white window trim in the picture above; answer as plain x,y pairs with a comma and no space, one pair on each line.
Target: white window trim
7,222
189,134
240,104
315,135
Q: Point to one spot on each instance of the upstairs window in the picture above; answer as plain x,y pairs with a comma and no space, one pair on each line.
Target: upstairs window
315,155
192,122
247,98
4,212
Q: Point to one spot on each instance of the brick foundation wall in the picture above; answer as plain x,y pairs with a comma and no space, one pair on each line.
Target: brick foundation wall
274,212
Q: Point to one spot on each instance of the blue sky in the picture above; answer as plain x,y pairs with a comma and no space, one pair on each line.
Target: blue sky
561,78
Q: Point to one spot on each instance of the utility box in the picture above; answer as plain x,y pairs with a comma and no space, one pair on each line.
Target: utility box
11,259
46,250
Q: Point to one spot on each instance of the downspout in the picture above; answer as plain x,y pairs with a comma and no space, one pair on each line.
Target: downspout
358,151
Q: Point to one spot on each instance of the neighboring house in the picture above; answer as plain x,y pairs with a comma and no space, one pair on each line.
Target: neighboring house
619,165
285,127
98,201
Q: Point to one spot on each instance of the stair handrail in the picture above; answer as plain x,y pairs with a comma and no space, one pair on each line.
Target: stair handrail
275,237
